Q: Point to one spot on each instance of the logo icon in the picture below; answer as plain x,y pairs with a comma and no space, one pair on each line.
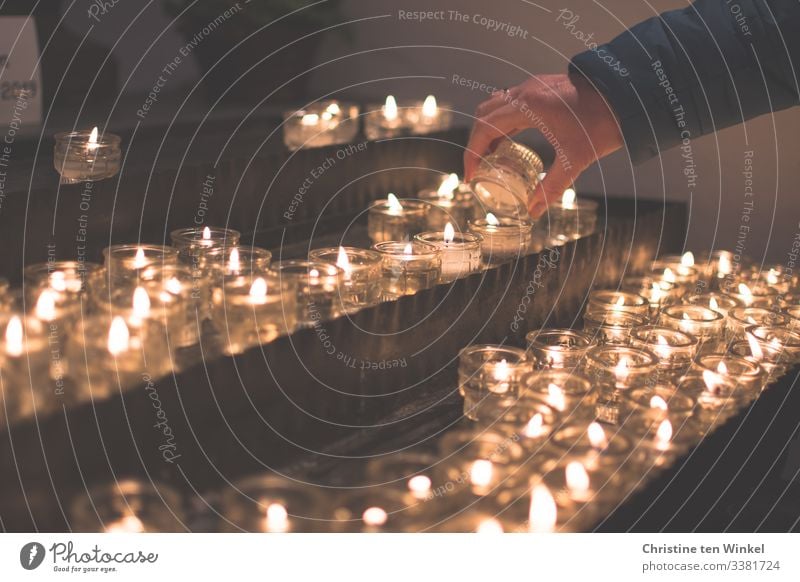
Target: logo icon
31,555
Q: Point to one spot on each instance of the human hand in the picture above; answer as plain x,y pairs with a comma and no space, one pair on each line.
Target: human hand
571,114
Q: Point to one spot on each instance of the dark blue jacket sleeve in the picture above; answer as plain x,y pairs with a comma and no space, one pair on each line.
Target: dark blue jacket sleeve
691,72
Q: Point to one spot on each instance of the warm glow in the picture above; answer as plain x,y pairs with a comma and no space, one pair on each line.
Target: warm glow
375,516
622,370
656,293
46,305
314,274
491,220
543,513
712,380
658,403
712,304
258,290
394,204
568,199
448,187
449,234
489,526
119,337
333,109
577,478
420,486
619,303
724,267
687,260
234,263
206,233
173,286
408,250
722,368
277,518
343,262
127,524
772,277
745,292
139,261
310,119
664,434
597,436
481,472
535,426
93,145
555,397
390,109
14,342
755,348
669,275
429,107
662,349
141,304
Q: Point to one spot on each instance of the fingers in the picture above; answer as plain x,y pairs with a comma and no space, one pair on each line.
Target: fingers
497,100
502,122
551,188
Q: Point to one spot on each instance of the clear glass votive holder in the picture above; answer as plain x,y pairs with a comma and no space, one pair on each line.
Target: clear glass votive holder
238,261
765,338
271,503
128,506
125,262
528,419
407,268
657,292
504,237
460,252
449,203
603,300
570,219
675,349
740,318
611,327
613,368
374,510
714,300
411,471
324,123
569,393
583,494
316,285
706,325
682,275
771,359
386,121
85,156
589,443
559,349
487,372
753,294
56,292
659,443
718,397
361,286
506,178
396,220
252,310
429,116
194,244
655,403
742,370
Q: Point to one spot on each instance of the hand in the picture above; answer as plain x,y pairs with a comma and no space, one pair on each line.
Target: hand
571,114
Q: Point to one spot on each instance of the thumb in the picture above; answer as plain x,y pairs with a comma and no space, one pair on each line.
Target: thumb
551,188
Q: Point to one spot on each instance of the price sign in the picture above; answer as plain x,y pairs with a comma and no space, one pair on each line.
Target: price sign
20,77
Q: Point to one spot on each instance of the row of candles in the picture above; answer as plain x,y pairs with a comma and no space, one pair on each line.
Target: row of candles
554,435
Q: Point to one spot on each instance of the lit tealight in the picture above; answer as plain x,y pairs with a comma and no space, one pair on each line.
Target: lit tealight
448,187
277,520
234,262
568,199
419,486
597,436
119,337
430,108
206,233
501,373
14,337
46,306
258,290
669,275
93,143
577,479
489,526
390,109
141,305
394,206
543,513
375,516
556,398
491,220
139,260
481,472
449,234
687,260
343,262
535,426
126,524
664,435
310,120
658,403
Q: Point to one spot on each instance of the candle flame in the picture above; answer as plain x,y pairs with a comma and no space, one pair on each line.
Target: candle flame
724,266
491,220
712,304
343,262
206,233
14,337
687,260
597,436
722,368
277,518
419,486
755,348
555,397
173,286
745,292
394,204
449,233
310,119
658,403
656,293
712,381
333,109
119,337
93,145
46,305
669,275
126,524
577,478
543,513
568,199
489,526
664,434
408,250
481,472
448,187
58,281
772,277
139,260
390,109
375,516
622,369
258,290
234,262
662,349
619,303
141,304
429,107
535,426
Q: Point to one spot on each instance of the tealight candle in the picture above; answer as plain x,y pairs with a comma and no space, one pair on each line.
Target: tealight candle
124,262
770,357
86,156
580,492
412,471
145,308
615,368
504,238
26,367
430,116
655,403
386,121
718,269
528,419
396,220
705,324
559,349
487,372
128,506
361,284
776,277
238,261
316,284
271,504
570,218
194,244
675,349
611,327
592,445
714,300
506,179
565,392
754,294
744,371
657,292
763,338
718,397
252,310
320,124
683,275
662,441
479,461
451,202
740,318
374,510
461,252
407,268
602,301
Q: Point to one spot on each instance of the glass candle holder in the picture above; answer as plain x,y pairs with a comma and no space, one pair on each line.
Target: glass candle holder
592,445
659,443
128,506
194,244
324,123
770,359
373,510
411,471
717,268
611,327
778,277
86,156
714,300
238,261
449,202
655,403
566,392
361,286
396,220
571,218
460,252
125,262
386,121
602,301
407,268
718,398
753,294
252,310
765,338
740,318
657,292
612,368
486,372
429,116
144,307
477,462
675,349
272,504
316,284
57,292
706,325
506,179
532,507
741,370
682,275
559,349
504,238
527,419
581,493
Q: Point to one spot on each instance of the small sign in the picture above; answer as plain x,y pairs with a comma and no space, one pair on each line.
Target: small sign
20,77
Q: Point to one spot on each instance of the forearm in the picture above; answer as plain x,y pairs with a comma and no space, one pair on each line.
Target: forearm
693,71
